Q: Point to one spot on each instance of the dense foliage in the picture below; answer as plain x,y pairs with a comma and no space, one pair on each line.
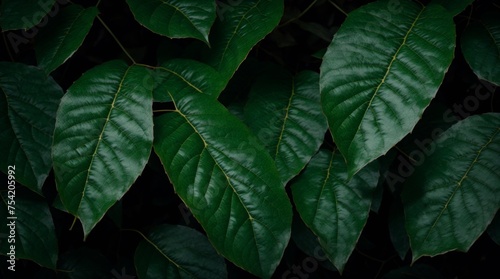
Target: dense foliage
250,138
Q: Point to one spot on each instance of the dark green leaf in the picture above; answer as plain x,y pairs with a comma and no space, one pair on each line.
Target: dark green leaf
84,263
227,180
481,47
27,117
175,18
415,271
35,236
380,72
334,208
15,14
174,252
240,26
454,6
397,230
450,200
183,75
285,114
63,36
103,138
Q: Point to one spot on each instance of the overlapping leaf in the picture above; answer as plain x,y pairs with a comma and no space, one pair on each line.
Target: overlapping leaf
184,75
35,236
481,47
454,7
174,252
175,18
63,36
334,208
15,14
103,138
380,72
27,118
227,180
240,26
450,200
285,114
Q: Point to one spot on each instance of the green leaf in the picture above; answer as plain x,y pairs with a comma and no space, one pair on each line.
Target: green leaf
481,47
380,72
454,6
240,26
184,75
175,18
83,263
397,231
64,34
450,200
285,114
35,237
334,208
174,252
227,180
102,140
27,118
15,14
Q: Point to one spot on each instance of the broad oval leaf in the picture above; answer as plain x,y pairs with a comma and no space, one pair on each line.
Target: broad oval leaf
64,34
27,119
481,47
180,75
380,72
450,200
102,140
175,18
454,6
240,26
334,208
15,14
285,114
227,180
30,216
169,251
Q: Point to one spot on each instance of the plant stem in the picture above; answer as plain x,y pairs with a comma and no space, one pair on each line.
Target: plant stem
300,15
116,39
338,7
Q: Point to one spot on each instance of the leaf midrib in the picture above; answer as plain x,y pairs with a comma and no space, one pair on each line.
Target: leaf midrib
459,185
386,74
100,139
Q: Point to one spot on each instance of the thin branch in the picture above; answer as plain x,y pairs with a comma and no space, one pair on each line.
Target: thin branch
300,15
338,7
7,47
116,39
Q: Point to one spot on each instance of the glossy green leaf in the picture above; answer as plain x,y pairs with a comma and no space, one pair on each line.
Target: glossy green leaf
450,200
285,114
184,75
84,263
481,47
454,6
227,180
64,34
174,252
240,25
102,140
380,72
334,208
35,236
175,18
15,14
27,118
